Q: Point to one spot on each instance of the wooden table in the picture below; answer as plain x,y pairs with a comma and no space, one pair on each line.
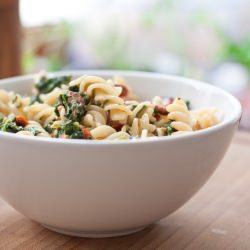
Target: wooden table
10,38
218,217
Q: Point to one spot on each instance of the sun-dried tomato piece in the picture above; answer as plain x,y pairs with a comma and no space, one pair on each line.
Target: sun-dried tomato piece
21,121
160,110
114,124
157,117
86,133
124,92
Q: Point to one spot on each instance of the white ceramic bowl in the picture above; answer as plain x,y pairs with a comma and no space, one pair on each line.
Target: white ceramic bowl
108,188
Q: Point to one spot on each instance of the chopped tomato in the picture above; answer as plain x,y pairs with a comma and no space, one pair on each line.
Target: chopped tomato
21,121
160,110
114,124
157,117
86,133
124,92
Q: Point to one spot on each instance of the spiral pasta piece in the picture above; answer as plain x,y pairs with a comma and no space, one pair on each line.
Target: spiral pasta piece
40,112
118,136
11,103
129,94
204,118
84,81
34,129
25,132
52,97
143,108
160,131
102,132
141,118
179,116
118,112
94,117
101,90
142,124
5,99
18,104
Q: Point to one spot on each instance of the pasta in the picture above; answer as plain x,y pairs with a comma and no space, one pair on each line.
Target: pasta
40,112
204,118
34,129
179,116
5,99
52,97
102,132
11,103
90,107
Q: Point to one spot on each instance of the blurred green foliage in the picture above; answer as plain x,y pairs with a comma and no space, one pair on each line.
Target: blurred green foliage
238,51
112,49
28,60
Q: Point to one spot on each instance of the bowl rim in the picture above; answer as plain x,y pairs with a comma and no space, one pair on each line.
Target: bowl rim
184,80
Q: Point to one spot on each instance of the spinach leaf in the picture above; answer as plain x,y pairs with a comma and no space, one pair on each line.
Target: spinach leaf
9,124
35,99
74,88
74,104
46,85
188,105
72,130
169,129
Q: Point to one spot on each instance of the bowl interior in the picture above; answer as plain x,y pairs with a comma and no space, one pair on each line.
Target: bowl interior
147,85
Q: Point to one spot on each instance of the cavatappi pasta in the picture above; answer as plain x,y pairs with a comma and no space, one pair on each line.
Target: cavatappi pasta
91,107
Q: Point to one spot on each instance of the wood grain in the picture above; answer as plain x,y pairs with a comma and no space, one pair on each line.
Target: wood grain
218,217
9,38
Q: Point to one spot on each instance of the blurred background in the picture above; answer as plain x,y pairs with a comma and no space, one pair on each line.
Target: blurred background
202,39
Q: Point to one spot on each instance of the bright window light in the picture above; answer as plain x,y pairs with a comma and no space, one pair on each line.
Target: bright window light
40,12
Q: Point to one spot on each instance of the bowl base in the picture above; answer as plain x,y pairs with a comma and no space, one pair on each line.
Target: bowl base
94,234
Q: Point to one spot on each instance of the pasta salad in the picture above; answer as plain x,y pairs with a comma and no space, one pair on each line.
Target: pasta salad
94,108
